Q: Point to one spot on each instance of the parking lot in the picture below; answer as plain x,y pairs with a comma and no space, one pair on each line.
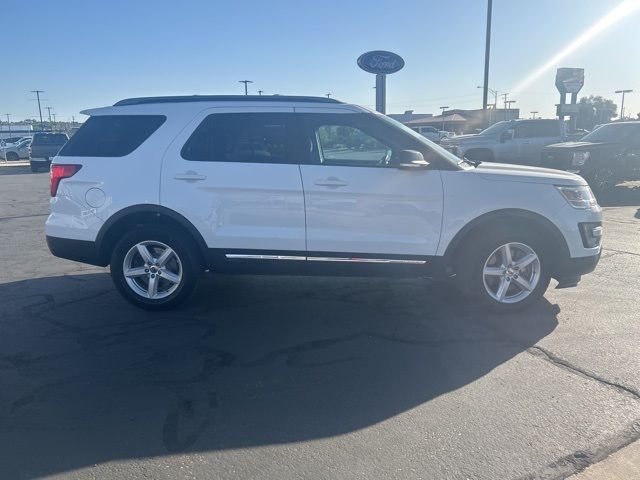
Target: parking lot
286,377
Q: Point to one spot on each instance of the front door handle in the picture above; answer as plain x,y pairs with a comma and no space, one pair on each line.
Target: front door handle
189,176
332,182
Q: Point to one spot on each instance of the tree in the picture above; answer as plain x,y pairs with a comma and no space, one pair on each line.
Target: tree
594,110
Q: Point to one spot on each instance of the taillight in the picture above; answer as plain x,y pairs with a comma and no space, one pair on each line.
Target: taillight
58,172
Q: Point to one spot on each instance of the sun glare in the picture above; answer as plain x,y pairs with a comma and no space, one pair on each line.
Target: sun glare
625,8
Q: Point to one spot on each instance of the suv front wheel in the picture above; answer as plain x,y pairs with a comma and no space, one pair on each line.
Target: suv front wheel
155,269
505,270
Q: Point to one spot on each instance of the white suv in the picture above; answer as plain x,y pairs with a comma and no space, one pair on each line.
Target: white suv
165,188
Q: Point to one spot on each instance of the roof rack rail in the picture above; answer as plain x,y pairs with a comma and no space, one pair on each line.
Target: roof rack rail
223,98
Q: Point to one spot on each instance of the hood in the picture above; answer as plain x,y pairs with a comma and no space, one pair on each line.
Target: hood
524,173
577,145
458,138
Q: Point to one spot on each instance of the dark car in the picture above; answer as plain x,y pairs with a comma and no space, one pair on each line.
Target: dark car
45,146
604,157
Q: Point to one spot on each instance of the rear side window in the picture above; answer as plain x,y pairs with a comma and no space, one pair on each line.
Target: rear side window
111,135
537,129
50,139
241,137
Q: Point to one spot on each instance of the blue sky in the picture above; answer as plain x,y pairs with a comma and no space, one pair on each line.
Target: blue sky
91,53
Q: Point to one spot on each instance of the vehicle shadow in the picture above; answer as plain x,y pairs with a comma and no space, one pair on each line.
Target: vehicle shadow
249,361
9,169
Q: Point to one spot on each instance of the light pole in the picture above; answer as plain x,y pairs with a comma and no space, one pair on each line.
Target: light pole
622,105
54,121
246,92
260,92
487,48
533,113
508,103
38,92
328,95
443,109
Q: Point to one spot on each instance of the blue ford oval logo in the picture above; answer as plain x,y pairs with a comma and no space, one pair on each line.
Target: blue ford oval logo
380,61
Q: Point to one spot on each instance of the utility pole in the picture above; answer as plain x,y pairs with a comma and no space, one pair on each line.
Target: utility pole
508,102
622,105
260,92
487,48
443,109
245,85
533,113
504,96
8,123
38,92
328,95
49,110
54,121
495,100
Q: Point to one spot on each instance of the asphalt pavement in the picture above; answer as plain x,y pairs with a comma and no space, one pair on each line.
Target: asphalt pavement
282,377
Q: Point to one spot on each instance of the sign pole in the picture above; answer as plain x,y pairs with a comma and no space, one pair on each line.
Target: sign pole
381,93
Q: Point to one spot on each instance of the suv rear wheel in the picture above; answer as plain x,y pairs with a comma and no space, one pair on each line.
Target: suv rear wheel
505,270
155,269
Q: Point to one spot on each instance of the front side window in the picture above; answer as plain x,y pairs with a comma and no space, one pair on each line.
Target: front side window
111,135
240,137
348,145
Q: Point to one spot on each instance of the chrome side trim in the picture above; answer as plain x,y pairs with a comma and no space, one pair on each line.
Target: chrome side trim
263,257
367,260
401,261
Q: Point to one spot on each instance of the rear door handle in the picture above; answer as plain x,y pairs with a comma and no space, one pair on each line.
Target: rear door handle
189,176
332,182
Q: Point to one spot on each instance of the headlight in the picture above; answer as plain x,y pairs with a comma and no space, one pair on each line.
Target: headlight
579,158
578,197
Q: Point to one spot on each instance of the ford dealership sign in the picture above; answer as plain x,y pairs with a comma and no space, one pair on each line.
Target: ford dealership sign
380,62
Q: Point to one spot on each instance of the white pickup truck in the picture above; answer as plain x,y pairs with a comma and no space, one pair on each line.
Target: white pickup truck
431,133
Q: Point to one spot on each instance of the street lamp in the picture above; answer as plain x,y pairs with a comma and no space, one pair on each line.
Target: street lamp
260,92
245,85
622,105
533,113
443,109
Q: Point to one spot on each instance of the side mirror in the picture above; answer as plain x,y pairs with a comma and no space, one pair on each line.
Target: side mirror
410,160
506,135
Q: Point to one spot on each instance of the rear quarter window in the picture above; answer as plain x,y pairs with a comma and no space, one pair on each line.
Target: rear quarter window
49,139
111,135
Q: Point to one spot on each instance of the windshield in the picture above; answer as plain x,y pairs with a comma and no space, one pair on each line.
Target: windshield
441,152
612,132
495,128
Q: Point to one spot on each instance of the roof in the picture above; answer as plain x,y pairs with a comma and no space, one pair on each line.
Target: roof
455,118
224,98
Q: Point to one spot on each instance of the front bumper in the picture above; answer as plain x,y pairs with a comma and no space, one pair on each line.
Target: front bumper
569,272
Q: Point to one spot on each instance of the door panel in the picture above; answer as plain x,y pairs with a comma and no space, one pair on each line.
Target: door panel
372,210
253,202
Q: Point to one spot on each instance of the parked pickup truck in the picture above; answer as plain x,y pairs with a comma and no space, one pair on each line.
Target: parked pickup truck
431,133
45,146
511,141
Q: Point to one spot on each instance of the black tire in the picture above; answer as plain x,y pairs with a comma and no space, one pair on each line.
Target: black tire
603,179
12,156
186,251
478,250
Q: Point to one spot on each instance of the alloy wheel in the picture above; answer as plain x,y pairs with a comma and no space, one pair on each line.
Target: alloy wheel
511,272
152,269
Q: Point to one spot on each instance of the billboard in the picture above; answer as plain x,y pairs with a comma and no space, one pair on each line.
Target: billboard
569,80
